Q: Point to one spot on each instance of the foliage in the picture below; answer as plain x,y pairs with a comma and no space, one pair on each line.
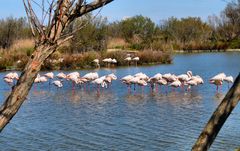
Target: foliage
138,31
93,35
12,29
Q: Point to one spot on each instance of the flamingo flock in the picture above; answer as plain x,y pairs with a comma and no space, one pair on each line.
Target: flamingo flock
159,79
109,61
183,81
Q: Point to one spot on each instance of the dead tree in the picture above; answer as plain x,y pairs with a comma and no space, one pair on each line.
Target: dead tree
218,118
49,34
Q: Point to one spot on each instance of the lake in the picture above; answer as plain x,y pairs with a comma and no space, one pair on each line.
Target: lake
63,119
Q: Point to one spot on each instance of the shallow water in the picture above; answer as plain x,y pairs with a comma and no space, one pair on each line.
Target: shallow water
62,119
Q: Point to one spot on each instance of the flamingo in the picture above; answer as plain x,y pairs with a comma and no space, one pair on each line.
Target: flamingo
218,79
73,74
142,83
57,83
10,77
192,82
37,79
74,79
96,61
49,75
40,79
43,79
107,60
114,61
128,59
170,77
108,78
126,80
198,79
134,81
136,59
100,81
141,76
88,77
183,78
61,75
153,80
8,81
162,82
175,84
228,79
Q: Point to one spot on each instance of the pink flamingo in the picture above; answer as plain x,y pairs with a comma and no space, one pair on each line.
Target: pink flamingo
126,80
218,80
175,84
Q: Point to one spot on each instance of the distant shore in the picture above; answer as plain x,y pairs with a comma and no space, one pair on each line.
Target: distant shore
202,51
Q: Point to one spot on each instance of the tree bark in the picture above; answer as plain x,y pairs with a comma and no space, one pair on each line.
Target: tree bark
218,118
24,84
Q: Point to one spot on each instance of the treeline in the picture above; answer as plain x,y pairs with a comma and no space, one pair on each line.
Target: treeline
12,29
139,32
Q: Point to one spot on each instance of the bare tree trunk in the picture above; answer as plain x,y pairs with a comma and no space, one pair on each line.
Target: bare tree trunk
218,118
24,84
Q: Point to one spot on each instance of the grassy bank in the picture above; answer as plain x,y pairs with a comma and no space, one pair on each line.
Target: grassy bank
16,57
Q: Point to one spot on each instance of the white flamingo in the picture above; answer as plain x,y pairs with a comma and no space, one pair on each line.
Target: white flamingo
96,61
107,61
8,81
57,83
190,83
100,82
128,59
228,79
136,59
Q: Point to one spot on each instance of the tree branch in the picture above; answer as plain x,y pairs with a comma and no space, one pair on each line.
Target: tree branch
82,9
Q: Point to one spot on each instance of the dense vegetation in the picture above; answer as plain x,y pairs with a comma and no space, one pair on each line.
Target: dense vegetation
137,33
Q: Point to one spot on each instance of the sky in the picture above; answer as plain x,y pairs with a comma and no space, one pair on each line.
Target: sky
157,10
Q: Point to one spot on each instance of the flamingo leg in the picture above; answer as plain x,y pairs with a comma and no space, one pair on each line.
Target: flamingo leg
129,89
166,89
98,89
142,89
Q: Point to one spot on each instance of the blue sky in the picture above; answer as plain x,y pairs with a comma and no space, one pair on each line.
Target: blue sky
155,9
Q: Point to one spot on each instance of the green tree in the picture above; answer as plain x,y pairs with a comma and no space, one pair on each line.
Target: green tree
95,34
138,30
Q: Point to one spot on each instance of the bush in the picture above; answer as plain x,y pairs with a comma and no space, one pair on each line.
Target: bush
153,57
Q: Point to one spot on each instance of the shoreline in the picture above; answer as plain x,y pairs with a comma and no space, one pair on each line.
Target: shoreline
205,51
140,65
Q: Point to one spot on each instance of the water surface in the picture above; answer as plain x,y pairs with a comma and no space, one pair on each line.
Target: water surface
62,119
